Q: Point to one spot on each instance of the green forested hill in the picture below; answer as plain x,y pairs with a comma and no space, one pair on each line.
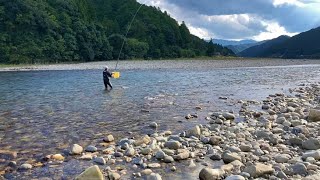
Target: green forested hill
92,30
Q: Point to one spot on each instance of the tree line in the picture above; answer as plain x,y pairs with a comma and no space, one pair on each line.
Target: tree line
51,31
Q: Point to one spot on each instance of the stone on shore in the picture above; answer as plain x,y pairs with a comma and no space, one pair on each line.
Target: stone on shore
314,154
311,144
235,177
194,132
314,115
215,140
259,169
76,149
172,145
109,138
99,160
160,155
229,157
299,169
114,176
92,173
183,154
57,157
211,174
228,116
153,125
91,149
25,166
168,159
282,158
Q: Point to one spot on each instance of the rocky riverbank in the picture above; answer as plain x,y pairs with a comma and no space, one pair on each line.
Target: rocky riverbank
280,140
167,64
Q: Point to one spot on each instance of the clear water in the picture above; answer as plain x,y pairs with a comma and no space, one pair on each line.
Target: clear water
43,112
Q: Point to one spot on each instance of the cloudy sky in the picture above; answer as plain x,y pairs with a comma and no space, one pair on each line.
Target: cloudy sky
243,19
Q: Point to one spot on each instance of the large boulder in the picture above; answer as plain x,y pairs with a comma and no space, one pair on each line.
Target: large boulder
211,174
314,115
259,169
92,173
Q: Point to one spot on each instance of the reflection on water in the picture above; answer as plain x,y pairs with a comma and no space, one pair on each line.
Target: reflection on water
46,111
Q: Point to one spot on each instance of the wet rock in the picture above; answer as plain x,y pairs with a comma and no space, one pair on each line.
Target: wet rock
114,176
215,140
211,174
311,144
172,144
153,125
154,165
259,169
215,157
99,160
193,132
235,177
282,158
160,155
184,154
109,138
57,157
92,172
228,116
229,157
146,172
168,159
314,115
76,149
91,149
245,148
25,166
130,152
144,140
298,168
154,176
314,154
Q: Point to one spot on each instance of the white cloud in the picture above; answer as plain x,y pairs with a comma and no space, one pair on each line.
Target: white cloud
297,3
273,30
200,32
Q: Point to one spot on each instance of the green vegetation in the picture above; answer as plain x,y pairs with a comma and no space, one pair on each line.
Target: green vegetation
303,45
52,31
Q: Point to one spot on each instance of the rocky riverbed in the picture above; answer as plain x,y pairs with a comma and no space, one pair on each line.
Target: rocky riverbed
279,140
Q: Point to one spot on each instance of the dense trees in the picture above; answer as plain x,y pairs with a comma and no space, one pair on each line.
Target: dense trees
34,31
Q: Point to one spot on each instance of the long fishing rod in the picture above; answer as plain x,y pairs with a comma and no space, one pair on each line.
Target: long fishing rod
125,37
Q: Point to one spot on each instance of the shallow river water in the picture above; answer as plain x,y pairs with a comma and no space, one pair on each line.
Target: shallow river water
43,112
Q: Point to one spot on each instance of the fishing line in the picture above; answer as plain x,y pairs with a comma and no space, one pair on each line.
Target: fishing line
125,37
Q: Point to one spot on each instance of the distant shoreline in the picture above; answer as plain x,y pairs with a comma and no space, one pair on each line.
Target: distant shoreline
164,64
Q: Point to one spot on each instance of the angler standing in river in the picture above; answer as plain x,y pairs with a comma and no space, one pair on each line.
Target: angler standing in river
106,80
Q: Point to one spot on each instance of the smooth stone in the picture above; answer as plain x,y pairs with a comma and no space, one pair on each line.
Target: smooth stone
245,148
109,138
168,152
196,132
237,163
168,159
137,161
229,157
258,169
173,168
146,172
57,157
215,140
86,157
154,176
311,144
312,167
282,158
227,167
299,168
25,166
211,174
314,115
160,155
215,157
92,172
91,149
114,176
130,152
76,149
235,177
146,151
118,154
228,116
144,140
314,154
182,155
311,160
99,160
154,165
172,145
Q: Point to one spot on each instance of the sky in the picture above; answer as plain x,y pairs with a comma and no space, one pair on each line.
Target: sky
242,19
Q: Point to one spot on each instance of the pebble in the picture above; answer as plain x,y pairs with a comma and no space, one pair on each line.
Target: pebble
99,160
210,174
76,149
229,157
168,159
91,149
172,144
153,125
160,155
25,166
235,177
109,138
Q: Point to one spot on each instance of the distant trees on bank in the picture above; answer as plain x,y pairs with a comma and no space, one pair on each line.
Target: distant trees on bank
51,31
